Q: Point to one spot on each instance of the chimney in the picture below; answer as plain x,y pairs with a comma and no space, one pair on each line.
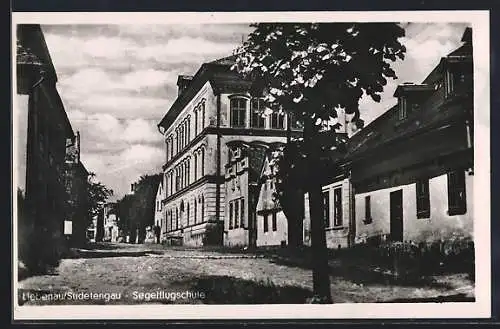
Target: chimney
183,82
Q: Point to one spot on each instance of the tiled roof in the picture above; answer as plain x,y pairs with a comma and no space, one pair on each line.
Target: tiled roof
221,78
229,60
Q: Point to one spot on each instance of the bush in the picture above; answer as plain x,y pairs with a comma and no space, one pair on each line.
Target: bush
41,251
412,261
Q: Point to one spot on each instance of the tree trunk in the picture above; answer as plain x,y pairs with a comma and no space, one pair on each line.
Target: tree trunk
321,270
293,208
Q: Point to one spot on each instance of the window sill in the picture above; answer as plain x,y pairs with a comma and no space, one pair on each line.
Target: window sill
335,228
424,215
368,221
456,211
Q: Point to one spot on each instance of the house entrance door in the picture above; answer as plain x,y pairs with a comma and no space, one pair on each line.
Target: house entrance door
396,215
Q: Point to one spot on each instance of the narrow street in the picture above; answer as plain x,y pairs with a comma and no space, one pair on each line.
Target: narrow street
135,274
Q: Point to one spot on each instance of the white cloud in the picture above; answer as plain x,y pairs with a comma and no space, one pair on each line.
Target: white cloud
111,84
104,129
97,80
181,49
120,170
126,105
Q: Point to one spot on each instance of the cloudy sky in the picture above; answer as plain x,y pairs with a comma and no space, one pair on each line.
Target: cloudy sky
117,82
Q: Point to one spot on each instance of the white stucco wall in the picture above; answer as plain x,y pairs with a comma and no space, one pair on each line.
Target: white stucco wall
336,236
439,226
272,238
20,134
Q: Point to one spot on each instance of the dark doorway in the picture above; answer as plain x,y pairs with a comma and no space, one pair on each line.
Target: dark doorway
397,215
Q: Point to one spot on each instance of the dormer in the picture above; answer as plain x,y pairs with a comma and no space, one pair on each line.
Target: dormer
410,97
455,71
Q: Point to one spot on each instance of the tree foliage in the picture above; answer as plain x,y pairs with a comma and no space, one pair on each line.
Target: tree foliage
136,211
98,193
311,70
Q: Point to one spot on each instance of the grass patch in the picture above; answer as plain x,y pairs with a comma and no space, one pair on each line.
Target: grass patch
230,290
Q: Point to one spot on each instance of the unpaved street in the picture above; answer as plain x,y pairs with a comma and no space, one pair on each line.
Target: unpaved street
130,274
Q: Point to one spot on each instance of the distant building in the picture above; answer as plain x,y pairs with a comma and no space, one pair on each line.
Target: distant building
110,222
160,219
76,180
272,225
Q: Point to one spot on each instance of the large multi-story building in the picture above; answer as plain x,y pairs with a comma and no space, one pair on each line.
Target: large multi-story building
214,111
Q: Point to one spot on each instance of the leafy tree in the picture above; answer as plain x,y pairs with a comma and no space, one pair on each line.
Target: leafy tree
98,193
136,211
312,70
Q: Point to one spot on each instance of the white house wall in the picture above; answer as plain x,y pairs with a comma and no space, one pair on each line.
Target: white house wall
439,226
336,236
272,238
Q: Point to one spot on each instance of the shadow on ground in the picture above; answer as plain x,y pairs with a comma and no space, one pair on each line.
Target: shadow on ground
440,299
230,290
81,253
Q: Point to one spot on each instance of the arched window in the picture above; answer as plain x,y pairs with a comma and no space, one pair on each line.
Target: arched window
187,213
170,178
277,120
186,175
195,166
169,220
195,121
202,209
195,210
176,140
202,162
167,150
188,171
176,218
257,108
177,179
171,140
203,114
238,112
188,125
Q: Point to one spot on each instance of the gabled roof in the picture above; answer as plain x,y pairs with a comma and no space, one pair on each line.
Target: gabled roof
221,78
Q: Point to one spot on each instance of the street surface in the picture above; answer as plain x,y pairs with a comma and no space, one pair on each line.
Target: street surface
136,274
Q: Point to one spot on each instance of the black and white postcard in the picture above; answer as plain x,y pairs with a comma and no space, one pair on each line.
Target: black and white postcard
251,165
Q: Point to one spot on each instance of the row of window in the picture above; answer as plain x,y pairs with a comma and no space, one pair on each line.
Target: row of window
238,113
176,215
181,136
180,176
237,213
274,222
457,201
337,207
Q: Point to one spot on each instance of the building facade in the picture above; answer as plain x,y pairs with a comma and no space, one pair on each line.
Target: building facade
272,225
76,180
111,229
48,129
159,219
419,184
214,108
408,175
